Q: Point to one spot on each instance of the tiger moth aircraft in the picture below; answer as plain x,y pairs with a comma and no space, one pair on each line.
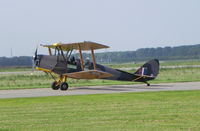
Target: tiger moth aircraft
62,64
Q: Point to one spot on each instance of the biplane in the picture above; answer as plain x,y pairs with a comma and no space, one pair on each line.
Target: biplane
62,65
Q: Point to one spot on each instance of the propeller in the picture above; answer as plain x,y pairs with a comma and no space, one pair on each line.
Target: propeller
34,59
35,55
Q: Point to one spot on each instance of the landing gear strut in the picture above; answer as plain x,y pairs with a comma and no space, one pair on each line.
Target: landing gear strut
61,83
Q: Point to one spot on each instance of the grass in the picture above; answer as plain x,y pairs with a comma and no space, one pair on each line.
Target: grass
41,80
14,69
170,75
177,110
178,75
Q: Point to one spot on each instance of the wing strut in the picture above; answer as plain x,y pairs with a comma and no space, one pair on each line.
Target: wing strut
49,49
81,57
93,58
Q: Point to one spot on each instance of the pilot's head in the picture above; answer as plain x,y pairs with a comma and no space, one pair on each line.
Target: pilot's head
88,59
72,58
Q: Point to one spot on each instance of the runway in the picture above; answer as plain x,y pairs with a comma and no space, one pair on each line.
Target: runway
42,92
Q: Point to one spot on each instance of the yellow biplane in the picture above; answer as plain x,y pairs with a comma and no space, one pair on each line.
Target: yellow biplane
63,64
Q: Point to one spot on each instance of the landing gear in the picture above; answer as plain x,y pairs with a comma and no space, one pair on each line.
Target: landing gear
54,86
63,86
147,83
61,83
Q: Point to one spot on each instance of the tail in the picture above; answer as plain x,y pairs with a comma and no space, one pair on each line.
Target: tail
151,68
148,71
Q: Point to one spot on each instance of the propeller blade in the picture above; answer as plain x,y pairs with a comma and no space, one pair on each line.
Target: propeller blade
35,56
34,59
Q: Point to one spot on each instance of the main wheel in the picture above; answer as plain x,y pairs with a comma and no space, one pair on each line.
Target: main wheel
54,87
63,86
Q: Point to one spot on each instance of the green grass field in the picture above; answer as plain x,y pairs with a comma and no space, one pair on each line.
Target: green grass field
41,80
178,110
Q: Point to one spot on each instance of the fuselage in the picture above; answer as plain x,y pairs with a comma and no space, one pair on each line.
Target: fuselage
60,65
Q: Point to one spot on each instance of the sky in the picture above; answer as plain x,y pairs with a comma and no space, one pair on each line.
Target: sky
124,25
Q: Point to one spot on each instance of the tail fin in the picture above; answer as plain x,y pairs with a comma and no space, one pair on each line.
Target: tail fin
151,68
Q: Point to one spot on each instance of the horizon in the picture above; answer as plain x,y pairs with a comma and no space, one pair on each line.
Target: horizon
96,52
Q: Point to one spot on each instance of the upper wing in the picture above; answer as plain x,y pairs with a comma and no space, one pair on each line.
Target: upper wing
86,45
90,74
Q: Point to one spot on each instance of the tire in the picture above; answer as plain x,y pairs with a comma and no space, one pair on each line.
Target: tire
63,86
54,87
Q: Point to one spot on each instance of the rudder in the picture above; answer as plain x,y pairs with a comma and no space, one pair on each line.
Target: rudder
151,68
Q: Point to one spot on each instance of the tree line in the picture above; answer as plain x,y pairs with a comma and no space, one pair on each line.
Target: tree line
143,54
16,61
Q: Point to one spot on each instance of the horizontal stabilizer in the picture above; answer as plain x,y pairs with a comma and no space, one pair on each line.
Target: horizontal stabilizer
144,76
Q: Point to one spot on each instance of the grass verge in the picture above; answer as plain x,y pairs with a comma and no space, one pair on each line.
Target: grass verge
177,110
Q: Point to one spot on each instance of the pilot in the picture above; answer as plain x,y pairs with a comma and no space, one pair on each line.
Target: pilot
87,63
78,65
72,60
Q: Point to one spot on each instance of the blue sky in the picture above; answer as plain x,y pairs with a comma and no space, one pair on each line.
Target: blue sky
121,24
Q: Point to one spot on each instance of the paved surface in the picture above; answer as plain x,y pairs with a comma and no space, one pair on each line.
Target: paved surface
98,90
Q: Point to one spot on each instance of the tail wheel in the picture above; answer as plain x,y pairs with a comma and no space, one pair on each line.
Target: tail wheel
63,86
54,87
147,83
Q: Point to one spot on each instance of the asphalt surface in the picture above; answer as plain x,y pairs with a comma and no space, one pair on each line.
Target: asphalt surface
98,90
